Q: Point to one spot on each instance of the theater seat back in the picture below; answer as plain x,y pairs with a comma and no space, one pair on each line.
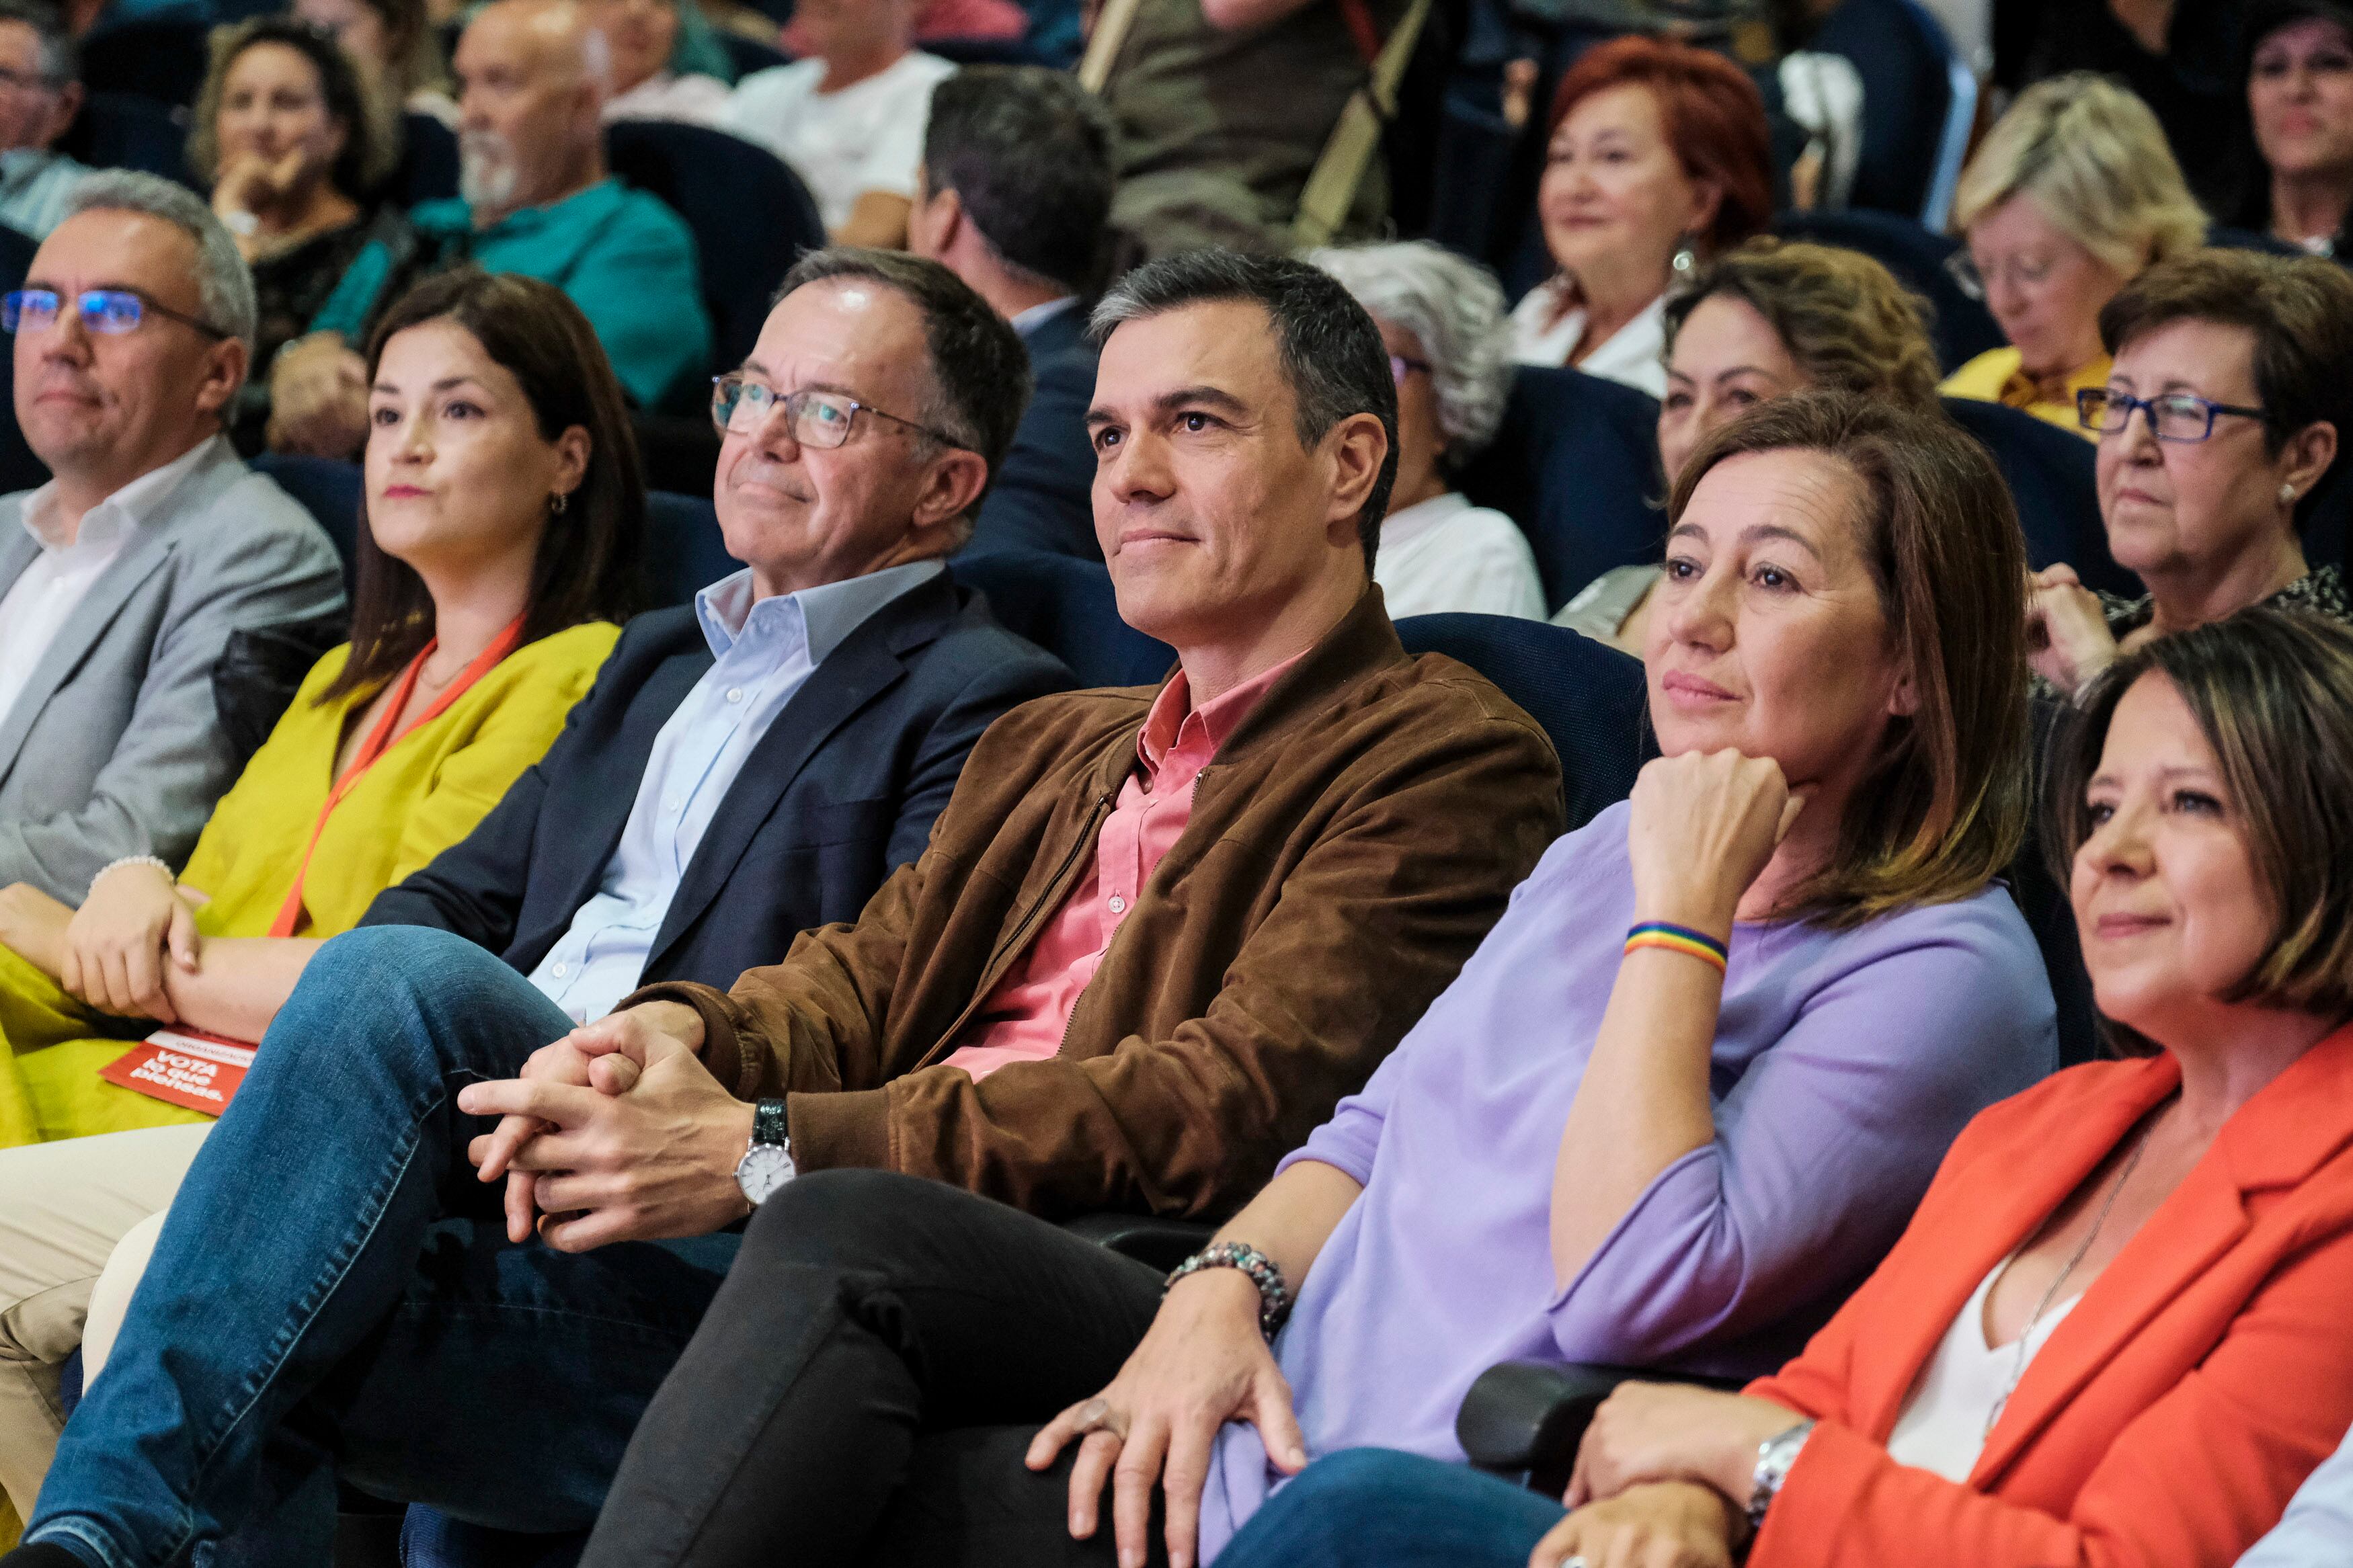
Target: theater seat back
1575,465
1068,608
2050,474
752,216
331,491
1590,698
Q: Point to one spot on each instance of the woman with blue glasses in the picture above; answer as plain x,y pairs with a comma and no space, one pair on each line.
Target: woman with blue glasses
2231,395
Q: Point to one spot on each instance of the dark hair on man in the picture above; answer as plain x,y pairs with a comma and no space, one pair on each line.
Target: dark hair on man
1028,151
368,151
1331,354
2299,309
981,371
591,565
2267,687
1944,807
61,55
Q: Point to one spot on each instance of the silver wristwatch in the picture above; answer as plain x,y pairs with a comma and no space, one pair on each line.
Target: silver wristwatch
768,1164
1773,1458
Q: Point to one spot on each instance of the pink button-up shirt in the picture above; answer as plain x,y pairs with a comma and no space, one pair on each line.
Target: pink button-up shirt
1025,1018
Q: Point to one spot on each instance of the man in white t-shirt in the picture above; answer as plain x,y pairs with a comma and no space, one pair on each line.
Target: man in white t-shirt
849,118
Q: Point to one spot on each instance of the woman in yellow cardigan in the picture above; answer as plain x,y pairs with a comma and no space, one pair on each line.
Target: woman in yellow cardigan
503,539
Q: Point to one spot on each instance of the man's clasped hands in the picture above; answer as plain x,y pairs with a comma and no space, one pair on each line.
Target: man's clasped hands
614,1132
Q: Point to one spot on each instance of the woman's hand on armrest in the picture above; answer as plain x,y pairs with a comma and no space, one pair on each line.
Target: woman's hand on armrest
34,925
1670,1524
1203,1363
1646,1433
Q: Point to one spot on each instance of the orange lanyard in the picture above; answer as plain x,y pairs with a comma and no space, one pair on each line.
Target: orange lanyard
380,740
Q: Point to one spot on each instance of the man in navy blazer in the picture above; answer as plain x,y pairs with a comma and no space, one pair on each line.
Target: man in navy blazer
1013,197
831,689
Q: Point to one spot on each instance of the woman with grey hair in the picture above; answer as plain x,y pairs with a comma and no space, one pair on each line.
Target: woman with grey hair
1450,350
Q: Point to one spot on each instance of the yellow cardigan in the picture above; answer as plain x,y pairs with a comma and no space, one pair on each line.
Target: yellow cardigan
425,792
1995,376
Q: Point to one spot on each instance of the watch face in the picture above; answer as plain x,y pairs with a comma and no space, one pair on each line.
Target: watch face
764,1169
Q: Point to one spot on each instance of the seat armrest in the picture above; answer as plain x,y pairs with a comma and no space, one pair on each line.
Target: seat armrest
1522,1420
1161,1244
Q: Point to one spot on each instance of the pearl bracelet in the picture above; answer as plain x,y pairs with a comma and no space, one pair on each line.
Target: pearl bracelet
155,860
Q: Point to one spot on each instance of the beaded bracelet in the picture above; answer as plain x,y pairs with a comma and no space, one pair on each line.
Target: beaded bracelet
1680,939
155,860
1274,1295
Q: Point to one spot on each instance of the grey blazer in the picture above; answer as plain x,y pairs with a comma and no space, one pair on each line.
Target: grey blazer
114,748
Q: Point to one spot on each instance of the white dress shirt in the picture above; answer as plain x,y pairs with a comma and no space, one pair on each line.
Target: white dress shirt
765,652
1028,322
1445,554
42,599
1633,356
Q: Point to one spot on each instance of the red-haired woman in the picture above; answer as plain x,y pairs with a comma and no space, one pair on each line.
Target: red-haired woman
1658,159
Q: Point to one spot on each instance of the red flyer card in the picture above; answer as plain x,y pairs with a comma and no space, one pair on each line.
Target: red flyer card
185,1068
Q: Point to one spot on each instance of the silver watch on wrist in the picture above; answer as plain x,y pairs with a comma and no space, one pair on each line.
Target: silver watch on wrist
768,1164
1773,1458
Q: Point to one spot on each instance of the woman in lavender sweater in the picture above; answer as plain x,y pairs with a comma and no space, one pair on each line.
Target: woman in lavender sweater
1591,1149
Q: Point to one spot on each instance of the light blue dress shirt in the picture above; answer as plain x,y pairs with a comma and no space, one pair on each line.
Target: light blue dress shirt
763,652
2317,1532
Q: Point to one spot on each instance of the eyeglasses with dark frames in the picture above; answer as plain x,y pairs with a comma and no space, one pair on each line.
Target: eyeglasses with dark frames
821,419
110,310
2176,417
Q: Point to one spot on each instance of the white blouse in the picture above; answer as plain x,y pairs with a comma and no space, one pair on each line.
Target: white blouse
1633,356
1446,554
1943,1425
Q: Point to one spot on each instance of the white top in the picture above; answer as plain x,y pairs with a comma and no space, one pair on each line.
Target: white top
1446,554
42,599
696,98
1635,355
764,651
1943,1425
869,136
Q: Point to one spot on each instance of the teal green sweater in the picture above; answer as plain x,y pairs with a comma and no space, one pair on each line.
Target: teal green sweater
625,259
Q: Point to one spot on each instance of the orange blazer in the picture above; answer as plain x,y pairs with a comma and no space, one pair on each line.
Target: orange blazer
2169,1416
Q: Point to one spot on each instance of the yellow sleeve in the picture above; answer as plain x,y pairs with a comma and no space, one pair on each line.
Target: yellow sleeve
271,788
1982,379
541,682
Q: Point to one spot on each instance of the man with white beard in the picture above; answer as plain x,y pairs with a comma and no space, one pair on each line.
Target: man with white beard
533,198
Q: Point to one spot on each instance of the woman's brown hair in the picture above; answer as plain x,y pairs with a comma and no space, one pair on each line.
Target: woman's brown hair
1843,317
370,147
591,563
1942,808
2273,693
1713,118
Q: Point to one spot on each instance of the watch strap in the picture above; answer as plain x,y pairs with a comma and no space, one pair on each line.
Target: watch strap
1773,1458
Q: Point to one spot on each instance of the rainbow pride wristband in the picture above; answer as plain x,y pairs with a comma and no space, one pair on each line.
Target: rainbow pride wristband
1679,939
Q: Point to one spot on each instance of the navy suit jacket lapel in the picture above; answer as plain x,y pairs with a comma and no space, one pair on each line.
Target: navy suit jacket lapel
865,664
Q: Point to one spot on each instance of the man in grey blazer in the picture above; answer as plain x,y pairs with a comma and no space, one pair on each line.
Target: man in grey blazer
123,579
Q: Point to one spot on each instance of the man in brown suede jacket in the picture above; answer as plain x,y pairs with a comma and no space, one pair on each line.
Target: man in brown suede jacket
1156,936
1108,984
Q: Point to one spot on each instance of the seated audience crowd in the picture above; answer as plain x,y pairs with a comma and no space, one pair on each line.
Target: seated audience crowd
640,1028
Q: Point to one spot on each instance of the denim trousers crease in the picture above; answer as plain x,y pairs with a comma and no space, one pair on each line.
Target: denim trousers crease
334,1289
866,1382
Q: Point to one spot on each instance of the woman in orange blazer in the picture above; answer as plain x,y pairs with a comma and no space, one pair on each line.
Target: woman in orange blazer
2115,1332
2117,1323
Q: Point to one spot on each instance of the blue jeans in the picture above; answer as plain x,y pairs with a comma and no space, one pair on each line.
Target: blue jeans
335,1287
1376,1508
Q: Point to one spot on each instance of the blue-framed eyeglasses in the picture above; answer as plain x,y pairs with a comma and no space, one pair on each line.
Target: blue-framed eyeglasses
820,419
2176,417
111,310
